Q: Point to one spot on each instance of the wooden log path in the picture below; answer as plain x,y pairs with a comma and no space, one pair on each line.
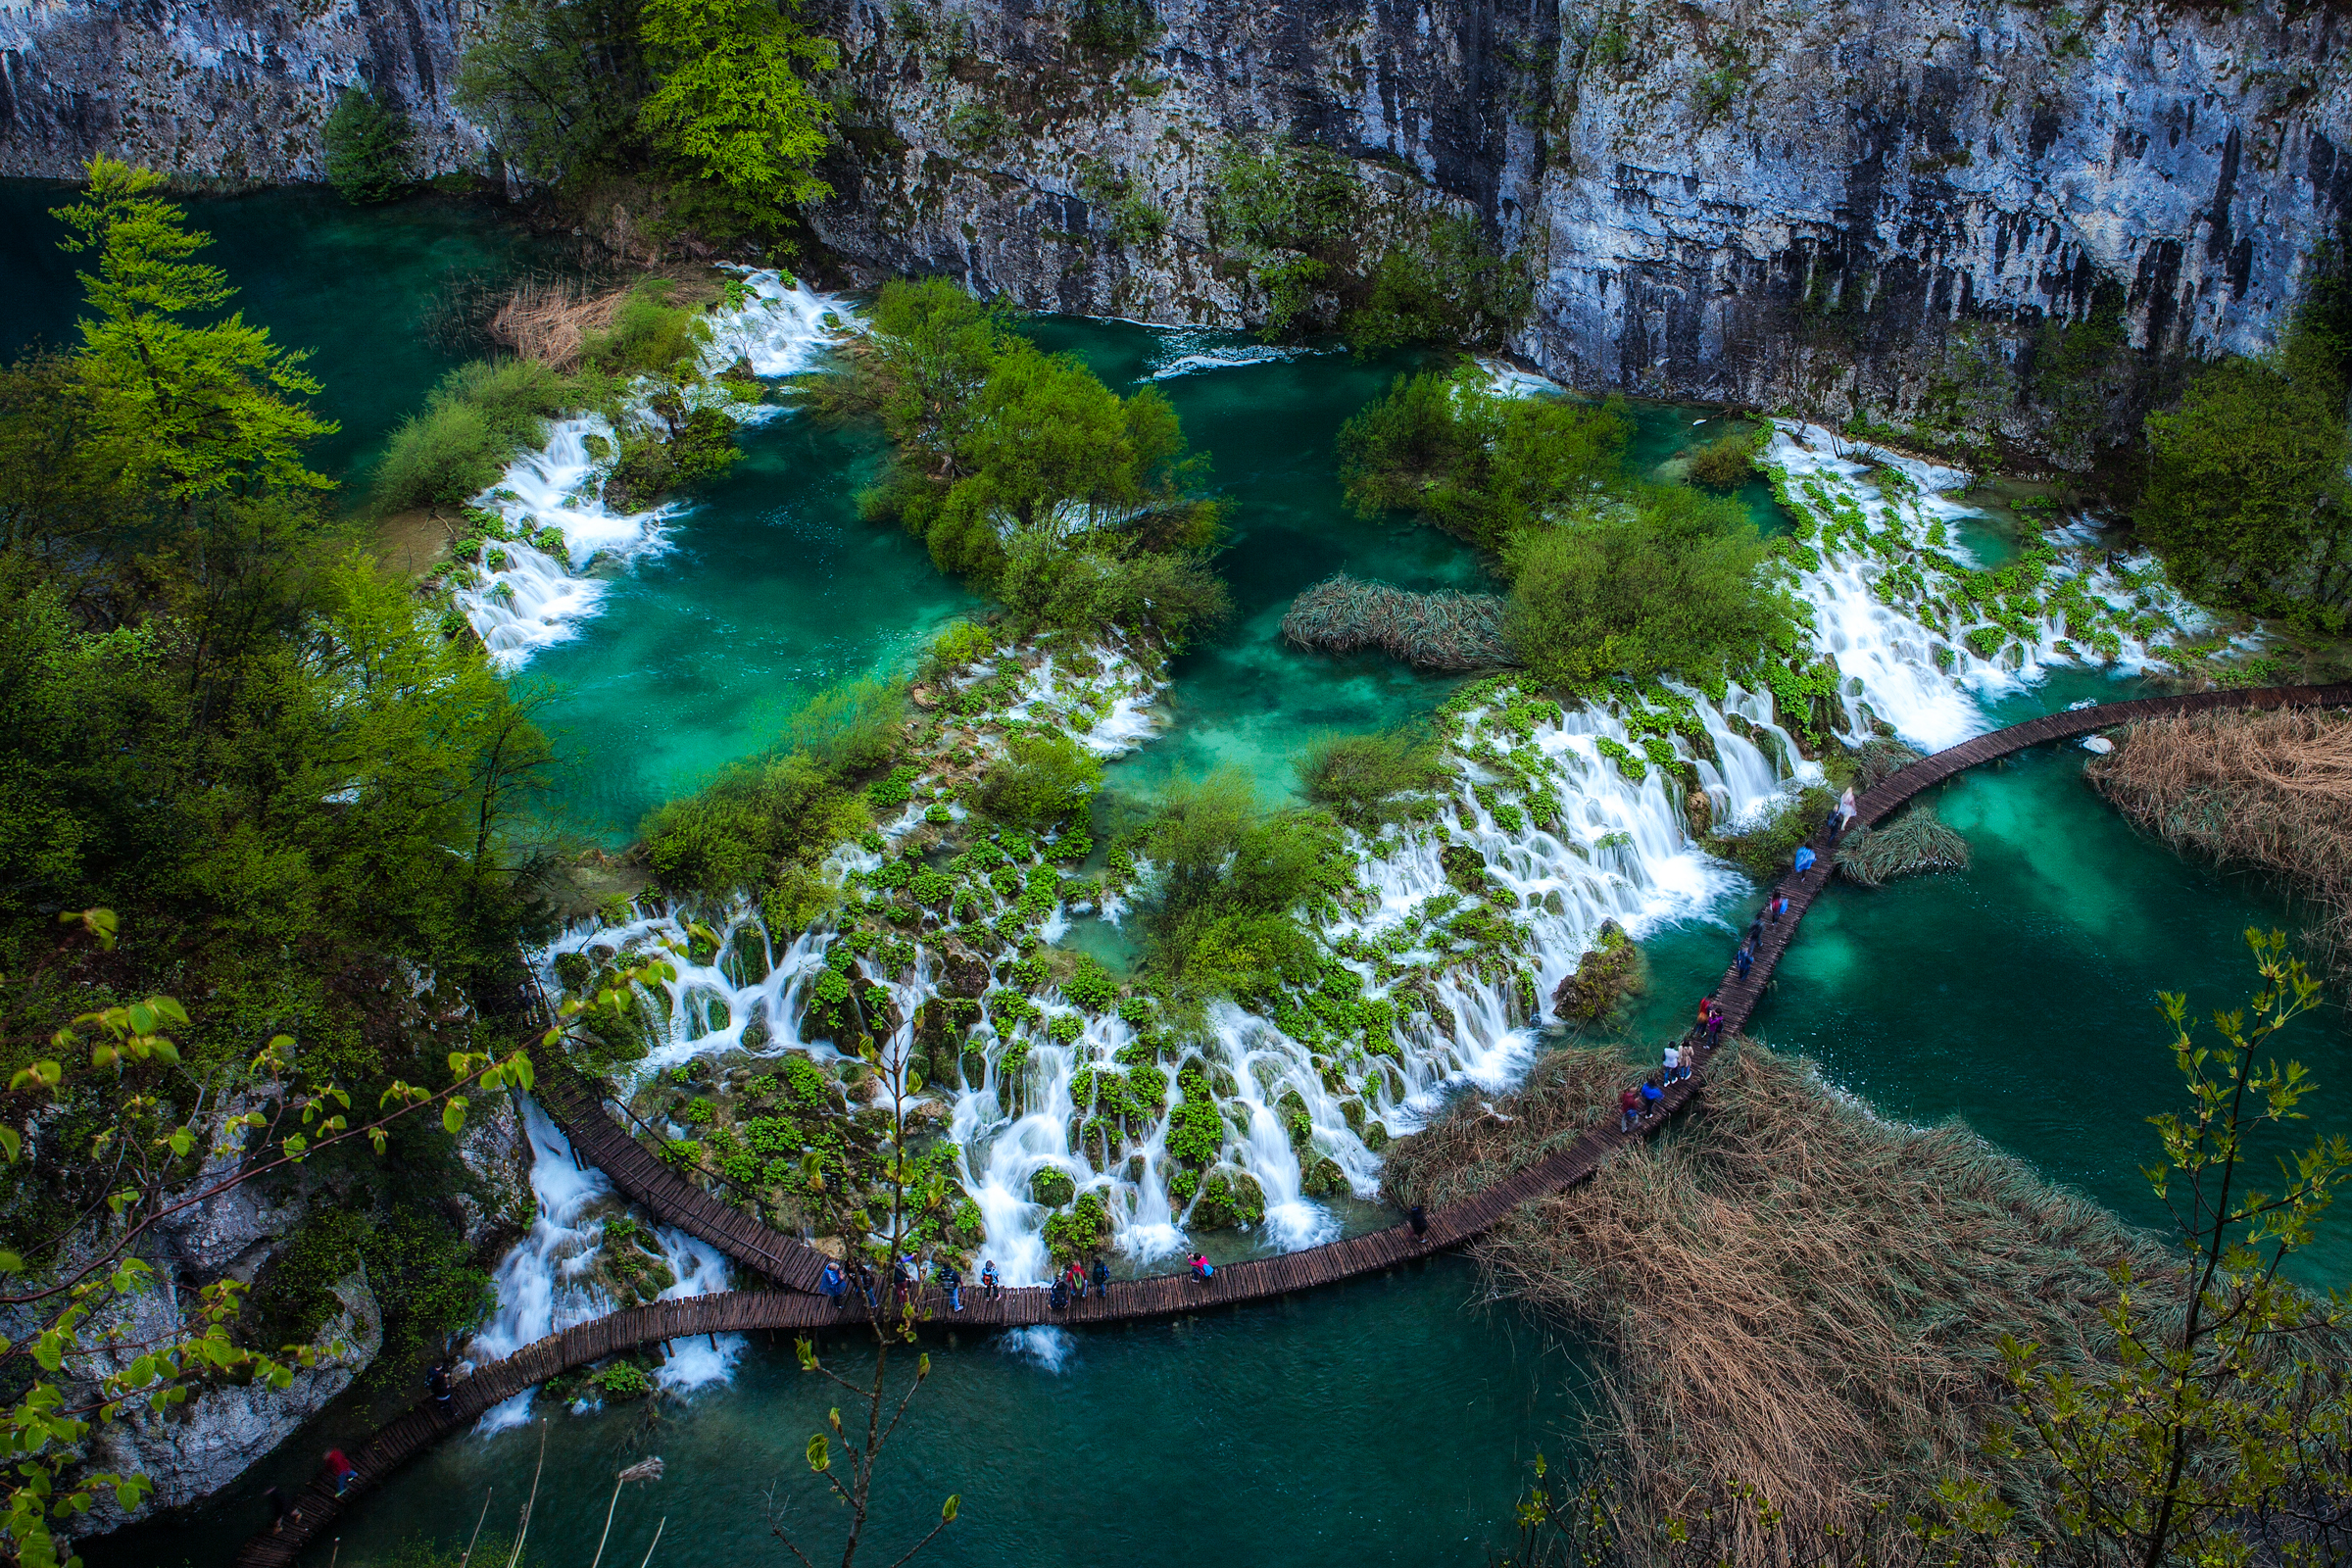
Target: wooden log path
637,1174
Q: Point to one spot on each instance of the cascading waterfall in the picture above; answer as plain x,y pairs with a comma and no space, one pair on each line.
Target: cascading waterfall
1568,819
552,499
548,1282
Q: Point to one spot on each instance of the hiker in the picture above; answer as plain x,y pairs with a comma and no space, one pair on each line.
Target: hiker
989,1285
953,1283
1059,1295
1804,859
1202,1269
341,1471
1673,1048
437,1383
865,1285
834,1285
1706,1004
1418,1218
1101,1278
276,1500
1653,1094
1847,810
1629,1105
1779,906
1755,929
1714,1027
902,1279
1684,1059
1745,960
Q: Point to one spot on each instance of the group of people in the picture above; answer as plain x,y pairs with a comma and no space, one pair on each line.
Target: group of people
836,1283
1074,1281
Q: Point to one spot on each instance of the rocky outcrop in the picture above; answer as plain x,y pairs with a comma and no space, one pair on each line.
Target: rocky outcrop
1761,201
231,92
1772,202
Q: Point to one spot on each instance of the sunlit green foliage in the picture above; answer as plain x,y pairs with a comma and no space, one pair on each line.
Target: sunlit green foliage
1360,779
1664,583
471,426
1043,780
1478,464
1223,918
729,104
751,826
1449,286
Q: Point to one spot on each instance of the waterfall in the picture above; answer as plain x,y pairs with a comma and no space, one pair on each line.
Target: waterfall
546,1283
550,499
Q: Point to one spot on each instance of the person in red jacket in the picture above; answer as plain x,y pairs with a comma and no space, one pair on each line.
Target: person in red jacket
1629,1105
341,1471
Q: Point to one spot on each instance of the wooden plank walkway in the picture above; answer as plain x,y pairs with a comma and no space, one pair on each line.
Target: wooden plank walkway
792,1263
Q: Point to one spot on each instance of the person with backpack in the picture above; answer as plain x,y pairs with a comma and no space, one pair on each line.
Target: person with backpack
1059,1295
1653,1094
834,1285
1202,1269
1745,960
1804,859
990,1286
953,1283
1629,1105
1101,1279
341,1471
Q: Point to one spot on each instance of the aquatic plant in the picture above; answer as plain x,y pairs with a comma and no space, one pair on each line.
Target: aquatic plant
1443,629
1915,842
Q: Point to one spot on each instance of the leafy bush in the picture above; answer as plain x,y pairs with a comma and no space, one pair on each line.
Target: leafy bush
1476,463
1726,463
622,1379
851,727
649,335
1663,584
958,645
1357,778
370,157
1224,919
473,423
1451,287
1043,779
729,108
764,824
1088,589
700,445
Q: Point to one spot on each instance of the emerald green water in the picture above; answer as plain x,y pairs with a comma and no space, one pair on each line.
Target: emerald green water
1381,1421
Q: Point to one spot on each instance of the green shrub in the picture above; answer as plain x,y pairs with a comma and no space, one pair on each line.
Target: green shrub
1043,780
472,425
958,645
1663,584
1225,920
1726,463
1051,1187
1476,463
369,156
622,1379
698,445
1450,286
851,727
752,828
649,335
1357,778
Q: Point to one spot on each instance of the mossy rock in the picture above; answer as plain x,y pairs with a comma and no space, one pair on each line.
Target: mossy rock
1228,1199
1082,1232
756,1032
1375,1137
1324,1178
1466,868
1051,1187
574,970
1351,1111
745,960
1291,1109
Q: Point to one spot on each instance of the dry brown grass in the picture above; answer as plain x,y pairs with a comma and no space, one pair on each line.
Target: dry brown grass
2272,790
550,319
1786,1292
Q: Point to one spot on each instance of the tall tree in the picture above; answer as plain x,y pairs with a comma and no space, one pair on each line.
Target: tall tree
730,102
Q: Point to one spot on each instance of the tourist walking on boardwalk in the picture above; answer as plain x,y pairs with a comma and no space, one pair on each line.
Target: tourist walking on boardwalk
1755,928
953,1283
1706,1004
864,1277
1652,1093
1059,1295
1673,1049
1684,1059
1101,1279
438,1383
1629,1108
1745,960
341,1471
989,1285
1804,859
1714,1026
1779,906
1847,810
835,1284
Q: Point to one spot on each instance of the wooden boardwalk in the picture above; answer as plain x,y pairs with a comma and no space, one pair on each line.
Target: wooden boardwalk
792,1263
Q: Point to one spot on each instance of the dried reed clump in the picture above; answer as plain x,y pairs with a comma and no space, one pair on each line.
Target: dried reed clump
1789,1293
550,319
2266,788
1879,759
1916,841
1443,630
1470,1147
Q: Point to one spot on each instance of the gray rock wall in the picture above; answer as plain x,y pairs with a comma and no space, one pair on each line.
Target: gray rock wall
1685,174
229,91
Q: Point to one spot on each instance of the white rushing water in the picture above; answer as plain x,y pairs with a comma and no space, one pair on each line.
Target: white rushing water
1562,820
548,1282
537,587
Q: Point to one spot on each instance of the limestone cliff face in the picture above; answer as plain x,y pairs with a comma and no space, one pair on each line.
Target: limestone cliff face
232,91
1715,197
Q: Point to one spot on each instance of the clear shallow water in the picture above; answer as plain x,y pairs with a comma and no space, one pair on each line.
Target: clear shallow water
1378,1417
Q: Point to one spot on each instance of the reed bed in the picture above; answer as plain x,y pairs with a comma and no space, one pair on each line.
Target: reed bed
1443,630
1915,842
1878,759
1787,1292
550,319
2272,790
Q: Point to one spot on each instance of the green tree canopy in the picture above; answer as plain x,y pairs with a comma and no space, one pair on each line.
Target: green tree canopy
1661,584
730,102
370,152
